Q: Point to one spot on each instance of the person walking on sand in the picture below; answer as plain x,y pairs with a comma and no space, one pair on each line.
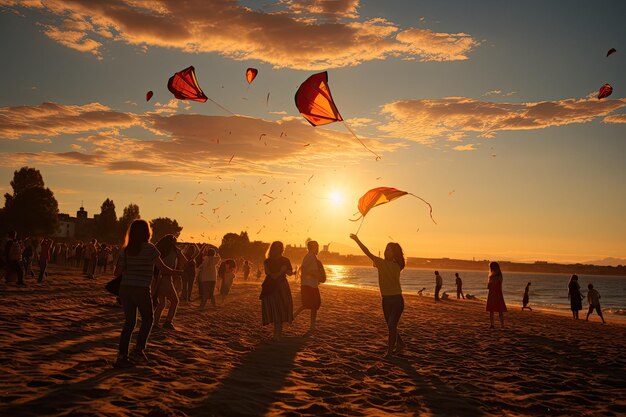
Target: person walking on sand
438,285
44,258
165,290
574,296
207,277
189,274
136,266
495,298
459,286
593,297
226,272
246,270
276,301
311,275
389,270
526,299
13,259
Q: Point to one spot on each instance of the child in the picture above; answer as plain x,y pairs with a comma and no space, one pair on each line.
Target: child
525,299
593,297
389,282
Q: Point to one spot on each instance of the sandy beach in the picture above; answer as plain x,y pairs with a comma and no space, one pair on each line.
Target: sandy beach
58,342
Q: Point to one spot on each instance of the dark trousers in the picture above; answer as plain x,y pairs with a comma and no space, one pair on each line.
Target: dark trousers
43,265
459,293
437,289
188,287
133,299
17,268
393,306
207,292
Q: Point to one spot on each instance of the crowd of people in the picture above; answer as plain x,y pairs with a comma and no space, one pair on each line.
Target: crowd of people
153,278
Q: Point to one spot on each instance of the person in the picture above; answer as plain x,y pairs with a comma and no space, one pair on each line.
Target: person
13,259
91,258
495,298
574,295
207,277
459,286
44,258
438,285
311,274
165,290
246,270
258,273
593,297
526,299
389,270
189,275
136,266
276,301
27,257
226,272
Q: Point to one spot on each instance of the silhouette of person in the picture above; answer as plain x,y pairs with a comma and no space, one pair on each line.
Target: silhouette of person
574,295
311,274
459,286
495,298
593,297
276,301
526,299
438,285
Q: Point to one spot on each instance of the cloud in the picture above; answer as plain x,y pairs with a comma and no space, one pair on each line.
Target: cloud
52,119
188,144
615,118
468,147
499,93
283,38
425,121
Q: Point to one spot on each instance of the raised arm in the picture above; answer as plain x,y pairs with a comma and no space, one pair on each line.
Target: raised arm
362,246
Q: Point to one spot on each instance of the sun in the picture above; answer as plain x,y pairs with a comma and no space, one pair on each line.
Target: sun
336,198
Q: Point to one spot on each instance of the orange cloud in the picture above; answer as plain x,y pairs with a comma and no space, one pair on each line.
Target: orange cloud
615,118
425,121
283,38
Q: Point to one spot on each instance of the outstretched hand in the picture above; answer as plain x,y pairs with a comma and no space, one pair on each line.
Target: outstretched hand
354,237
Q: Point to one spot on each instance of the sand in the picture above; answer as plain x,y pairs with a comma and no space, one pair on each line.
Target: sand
58,342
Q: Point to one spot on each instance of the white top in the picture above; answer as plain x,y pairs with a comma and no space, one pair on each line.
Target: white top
309,271
207,271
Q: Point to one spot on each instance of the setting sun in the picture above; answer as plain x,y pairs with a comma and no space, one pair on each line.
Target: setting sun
336,198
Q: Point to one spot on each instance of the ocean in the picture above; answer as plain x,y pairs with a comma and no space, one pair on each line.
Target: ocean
547,291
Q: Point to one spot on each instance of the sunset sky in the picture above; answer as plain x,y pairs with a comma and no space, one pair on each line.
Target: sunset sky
487,110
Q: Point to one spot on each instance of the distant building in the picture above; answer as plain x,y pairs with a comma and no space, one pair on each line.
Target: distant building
80,227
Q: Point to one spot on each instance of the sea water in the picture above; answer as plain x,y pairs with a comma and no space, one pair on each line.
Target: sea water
547,291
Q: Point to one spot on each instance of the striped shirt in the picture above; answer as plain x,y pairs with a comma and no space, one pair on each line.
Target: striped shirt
137,270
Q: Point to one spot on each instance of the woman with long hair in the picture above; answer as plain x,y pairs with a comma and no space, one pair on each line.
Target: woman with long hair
165,289
390,289
136,265
574,295
276,301
495,298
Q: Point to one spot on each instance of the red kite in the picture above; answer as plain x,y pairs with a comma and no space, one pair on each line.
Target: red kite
315,103
382,195
184,86
251,74
611,51
149,95
605,91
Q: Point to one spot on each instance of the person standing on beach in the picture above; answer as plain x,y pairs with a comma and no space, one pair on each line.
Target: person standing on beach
495,298
189,276
311,274
593,297
13,259
389,270
44,258
246,270
276,301
525,299
574,295
136,266
165,290
226,273
207,277
438,285
459,286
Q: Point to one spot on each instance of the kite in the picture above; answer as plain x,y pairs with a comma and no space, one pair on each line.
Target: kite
184,86
149,95
381,195
251,74
315,102
605,91
611,51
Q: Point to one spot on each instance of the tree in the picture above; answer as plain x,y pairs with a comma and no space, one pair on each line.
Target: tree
131,212
106,225
31,209
162,226
238,245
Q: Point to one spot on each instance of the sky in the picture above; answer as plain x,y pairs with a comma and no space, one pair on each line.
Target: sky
488,110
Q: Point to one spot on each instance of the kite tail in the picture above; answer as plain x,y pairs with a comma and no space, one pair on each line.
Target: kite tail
427,203
221,107
360,141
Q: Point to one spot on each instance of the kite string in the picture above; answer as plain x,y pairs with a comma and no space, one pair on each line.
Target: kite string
361,224
221,107
427,203
360,141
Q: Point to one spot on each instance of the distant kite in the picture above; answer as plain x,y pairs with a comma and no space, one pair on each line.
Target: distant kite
315,102
149,95
611,51
184,86
605,91
251,74
382,195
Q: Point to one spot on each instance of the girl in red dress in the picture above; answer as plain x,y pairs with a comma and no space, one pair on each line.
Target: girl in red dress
495,299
